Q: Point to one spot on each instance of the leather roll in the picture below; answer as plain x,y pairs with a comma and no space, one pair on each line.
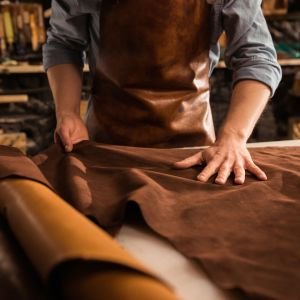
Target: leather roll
69,251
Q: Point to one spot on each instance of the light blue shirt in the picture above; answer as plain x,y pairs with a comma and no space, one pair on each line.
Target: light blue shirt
250,52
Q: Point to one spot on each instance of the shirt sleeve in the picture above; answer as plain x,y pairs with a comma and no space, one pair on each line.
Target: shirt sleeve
67,37
250,50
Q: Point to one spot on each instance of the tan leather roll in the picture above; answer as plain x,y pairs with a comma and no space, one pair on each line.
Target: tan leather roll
54,235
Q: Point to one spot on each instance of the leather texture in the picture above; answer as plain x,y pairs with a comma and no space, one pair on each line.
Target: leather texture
151,86
246,237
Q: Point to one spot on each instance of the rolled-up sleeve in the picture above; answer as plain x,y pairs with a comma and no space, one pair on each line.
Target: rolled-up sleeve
67,37
250,52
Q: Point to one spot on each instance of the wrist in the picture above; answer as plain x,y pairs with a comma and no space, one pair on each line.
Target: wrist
67,113
231,135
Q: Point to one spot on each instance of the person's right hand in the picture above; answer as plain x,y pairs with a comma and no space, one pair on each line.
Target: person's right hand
71,130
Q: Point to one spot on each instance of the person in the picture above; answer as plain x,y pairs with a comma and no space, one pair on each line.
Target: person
151,61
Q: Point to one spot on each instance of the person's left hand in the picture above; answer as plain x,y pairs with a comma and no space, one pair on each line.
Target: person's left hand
223,159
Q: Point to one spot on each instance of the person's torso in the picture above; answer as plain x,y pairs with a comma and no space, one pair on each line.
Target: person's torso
151,81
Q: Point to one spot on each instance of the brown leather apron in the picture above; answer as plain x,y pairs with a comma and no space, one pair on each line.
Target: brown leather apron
151,86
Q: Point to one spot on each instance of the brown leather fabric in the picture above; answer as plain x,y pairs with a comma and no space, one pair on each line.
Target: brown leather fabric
151,85
13,163
246,236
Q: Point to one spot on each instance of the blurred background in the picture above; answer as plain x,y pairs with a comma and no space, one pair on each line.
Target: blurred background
27,118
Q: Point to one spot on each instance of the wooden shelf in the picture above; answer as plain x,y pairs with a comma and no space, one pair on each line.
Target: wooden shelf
17,140
26,69
32,69
13,98
289,62
83,108
21,69
283,62
284,17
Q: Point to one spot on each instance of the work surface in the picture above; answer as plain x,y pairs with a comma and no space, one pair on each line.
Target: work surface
185,275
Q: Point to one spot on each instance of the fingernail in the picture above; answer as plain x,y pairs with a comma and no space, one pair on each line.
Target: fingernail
238,181
263,177
67,148
219,181
201,178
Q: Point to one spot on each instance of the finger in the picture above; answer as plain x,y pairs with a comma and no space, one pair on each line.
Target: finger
239,174
209,170
190,161
66,140
223,173
255,170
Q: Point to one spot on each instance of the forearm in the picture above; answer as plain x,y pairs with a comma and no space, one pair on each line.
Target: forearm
248,101
66,84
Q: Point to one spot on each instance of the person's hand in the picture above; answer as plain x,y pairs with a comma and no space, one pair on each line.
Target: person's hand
223,159
71,130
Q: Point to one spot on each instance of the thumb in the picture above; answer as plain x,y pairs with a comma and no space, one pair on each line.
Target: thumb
64,140
189,162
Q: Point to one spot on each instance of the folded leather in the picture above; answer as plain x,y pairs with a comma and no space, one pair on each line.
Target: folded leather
53,234
14,164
